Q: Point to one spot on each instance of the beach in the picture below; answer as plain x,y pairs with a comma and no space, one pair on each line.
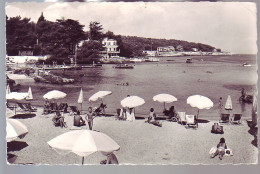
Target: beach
140,142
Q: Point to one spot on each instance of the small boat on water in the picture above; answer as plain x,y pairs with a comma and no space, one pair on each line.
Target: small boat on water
246,64
151,59
189,61
123,66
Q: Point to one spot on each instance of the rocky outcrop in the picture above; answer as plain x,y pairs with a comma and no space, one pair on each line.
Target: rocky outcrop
47,77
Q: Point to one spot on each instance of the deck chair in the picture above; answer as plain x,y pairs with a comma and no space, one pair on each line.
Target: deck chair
22,108
53,107
224,118
63,107
30,107
236,119
74,110
191,121
182,118
8,105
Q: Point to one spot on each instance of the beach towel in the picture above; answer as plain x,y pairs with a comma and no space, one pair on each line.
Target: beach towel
228,151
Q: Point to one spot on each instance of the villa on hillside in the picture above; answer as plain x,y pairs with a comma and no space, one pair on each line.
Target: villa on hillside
110,48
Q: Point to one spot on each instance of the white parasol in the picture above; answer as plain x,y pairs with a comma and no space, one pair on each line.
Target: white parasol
132,102
83,143
164,98
200,102
55,94
15,129
99,95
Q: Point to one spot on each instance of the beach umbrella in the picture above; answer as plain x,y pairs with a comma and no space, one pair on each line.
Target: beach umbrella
30,96
99,95
200,102
132,102
15,129
16,96
83,143
164,98
8,90
80,99
55,94
9,113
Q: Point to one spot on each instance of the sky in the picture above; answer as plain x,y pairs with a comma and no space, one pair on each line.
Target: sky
230,26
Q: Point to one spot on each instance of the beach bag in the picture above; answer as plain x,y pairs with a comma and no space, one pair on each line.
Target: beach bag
217,129
213,150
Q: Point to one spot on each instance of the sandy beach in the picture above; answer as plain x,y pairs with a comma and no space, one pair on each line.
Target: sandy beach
140,142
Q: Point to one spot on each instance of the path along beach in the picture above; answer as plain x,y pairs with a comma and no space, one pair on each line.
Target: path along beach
143,143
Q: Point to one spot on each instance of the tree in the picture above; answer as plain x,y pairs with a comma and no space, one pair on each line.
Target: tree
89,51
20,34
95,31
41,18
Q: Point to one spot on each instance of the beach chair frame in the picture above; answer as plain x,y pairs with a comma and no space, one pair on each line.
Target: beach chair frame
193,124
181,118
12,107
30,107
224,118
236,119
21,108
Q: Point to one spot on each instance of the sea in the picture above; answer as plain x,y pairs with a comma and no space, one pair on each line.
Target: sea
210,76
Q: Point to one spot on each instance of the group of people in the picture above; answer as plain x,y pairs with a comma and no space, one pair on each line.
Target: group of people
126,114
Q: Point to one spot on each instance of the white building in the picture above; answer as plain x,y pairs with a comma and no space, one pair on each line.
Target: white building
165,49
110,48
149,53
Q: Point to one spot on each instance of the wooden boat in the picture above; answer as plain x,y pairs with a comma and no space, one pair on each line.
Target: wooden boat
123,66
246,64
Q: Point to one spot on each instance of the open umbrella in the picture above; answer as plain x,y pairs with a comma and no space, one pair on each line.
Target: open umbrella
30,96
81,99
99,95
200,102
16,96
164,98
132,102
15,129
83,143
9,113
55,94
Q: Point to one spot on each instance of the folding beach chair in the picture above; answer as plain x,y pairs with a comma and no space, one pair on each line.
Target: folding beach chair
182,118
22,108
63,107
236,119
8,105
29,107
224,118
74,110
191,121
54,107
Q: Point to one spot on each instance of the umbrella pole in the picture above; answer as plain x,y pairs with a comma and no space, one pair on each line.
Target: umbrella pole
81,107
82,160
164,105
198,113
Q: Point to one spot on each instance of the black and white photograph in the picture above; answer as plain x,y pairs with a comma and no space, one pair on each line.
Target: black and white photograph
140,83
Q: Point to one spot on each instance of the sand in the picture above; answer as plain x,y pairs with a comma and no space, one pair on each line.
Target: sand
140,142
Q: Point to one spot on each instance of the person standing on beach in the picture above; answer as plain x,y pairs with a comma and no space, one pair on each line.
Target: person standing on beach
90,116
220,105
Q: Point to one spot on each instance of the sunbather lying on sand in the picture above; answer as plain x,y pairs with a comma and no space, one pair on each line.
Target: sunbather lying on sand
151,118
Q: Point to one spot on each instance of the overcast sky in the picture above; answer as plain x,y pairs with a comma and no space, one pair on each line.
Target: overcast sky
229,26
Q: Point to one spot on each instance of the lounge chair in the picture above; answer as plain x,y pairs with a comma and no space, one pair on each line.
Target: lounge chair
236,119
74,110
224,118
22,108
182,118
191,121
54,107
30,107
8,105
63,107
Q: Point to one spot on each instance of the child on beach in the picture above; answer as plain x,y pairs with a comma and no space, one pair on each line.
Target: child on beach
111,158
151,118
78,121
221,147
90,116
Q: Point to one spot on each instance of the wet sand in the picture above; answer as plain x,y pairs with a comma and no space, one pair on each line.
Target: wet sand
140,142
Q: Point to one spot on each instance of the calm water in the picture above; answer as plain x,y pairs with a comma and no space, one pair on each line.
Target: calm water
213,77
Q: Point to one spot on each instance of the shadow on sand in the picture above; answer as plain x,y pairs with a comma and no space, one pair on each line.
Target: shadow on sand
16,146
24,116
